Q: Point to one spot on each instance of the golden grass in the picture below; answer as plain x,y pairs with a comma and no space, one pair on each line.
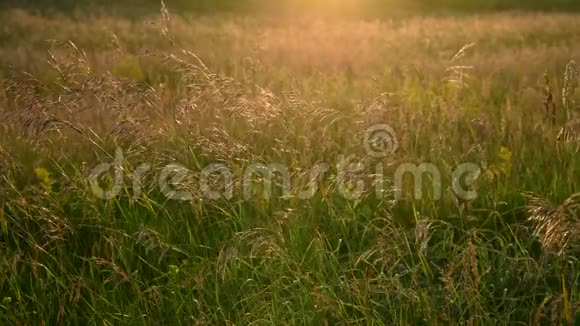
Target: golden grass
240,90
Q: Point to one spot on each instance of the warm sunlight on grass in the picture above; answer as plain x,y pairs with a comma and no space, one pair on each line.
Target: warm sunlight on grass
112,125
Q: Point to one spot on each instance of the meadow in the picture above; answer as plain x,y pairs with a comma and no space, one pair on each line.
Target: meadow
495,90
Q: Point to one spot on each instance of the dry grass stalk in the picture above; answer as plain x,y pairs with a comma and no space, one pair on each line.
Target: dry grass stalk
571,79
556,226
119,273
549,102
570,133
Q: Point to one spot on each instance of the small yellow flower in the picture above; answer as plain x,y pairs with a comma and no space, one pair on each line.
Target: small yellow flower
43,177
505,155
503,166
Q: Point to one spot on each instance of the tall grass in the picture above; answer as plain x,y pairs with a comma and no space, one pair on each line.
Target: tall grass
239,91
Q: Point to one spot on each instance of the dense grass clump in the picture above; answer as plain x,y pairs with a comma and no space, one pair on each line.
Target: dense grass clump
142,102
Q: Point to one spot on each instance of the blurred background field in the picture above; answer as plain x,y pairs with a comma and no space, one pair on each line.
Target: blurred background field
369,8
491,83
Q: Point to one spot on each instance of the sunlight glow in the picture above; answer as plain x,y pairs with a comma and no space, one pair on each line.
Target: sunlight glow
329,6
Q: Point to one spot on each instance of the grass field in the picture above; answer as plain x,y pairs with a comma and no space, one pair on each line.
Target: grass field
158,101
